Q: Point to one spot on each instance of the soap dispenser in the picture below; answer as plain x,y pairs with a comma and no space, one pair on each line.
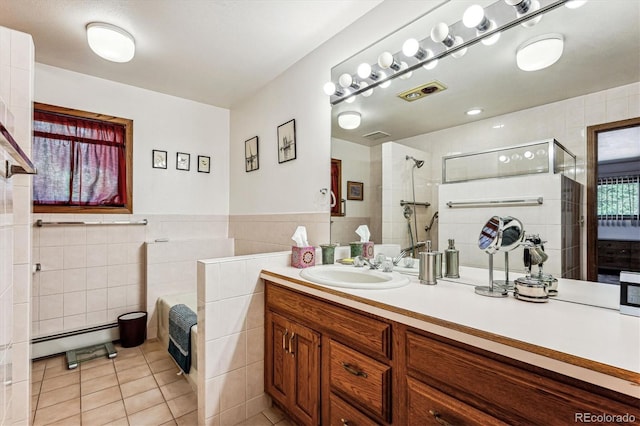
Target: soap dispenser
452,261
427,272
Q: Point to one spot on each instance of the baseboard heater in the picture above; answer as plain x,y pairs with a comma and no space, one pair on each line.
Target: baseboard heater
62,342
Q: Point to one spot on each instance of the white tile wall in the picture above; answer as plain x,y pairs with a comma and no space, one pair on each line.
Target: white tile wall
231,325
92,274
16,96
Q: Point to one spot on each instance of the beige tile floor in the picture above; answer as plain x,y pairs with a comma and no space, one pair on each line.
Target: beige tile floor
139,387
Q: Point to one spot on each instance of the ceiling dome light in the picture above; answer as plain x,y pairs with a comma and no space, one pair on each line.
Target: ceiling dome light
540,52
349,120
110,42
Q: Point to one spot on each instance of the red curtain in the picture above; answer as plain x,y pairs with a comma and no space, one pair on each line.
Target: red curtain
80,162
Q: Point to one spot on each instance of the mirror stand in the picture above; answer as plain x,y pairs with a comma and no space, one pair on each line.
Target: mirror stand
491,290
506,284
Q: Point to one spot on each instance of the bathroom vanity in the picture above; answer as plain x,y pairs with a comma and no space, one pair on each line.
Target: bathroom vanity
440,354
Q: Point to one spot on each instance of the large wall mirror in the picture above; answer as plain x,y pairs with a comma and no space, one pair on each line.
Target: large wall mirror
594,81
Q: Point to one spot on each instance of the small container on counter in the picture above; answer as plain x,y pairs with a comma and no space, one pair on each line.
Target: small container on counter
303,257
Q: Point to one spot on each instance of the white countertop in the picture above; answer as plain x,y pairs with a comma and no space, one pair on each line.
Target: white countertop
575,339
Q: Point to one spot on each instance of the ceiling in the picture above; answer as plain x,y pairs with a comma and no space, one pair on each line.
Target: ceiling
601,51
213,51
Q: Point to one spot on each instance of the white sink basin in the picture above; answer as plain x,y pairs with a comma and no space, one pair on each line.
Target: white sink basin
352,277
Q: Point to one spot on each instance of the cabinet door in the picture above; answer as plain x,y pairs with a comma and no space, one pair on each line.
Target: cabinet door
427,406
304,352
292,367
277,377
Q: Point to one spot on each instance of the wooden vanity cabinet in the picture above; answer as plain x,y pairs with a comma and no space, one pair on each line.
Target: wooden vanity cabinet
346,381
330,364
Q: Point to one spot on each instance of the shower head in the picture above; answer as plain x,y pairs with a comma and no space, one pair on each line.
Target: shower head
418,163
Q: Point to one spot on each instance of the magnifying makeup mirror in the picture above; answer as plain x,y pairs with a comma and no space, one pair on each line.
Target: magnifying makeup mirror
499,233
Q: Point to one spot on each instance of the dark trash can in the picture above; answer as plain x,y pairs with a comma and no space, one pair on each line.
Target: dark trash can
133,328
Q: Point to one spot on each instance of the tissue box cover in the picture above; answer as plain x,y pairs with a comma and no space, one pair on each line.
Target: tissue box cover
367,249
303,257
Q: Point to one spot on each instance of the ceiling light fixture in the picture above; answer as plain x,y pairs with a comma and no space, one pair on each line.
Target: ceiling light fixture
478,24
540,52
574,4
474,111
110,42
349,120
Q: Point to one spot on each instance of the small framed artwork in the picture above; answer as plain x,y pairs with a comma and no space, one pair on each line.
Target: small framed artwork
287,141
183,161
251,159
159,159
354,190
204,164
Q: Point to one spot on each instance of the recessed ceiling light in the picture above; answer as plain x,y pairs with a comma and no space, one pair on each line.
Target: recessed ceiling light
110,42
474,111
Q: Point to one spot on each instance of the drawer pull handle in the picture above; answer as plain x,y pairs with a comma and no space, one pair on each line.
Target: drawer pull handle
353,370
284,341
344,422
291,342
439,418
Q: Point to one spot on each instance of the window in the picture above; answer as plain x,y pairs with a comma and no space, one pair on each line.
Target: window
84,161
618,198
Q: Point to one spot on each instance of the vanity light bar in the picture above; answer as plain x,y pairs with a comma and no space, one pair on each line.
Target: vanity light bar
499,13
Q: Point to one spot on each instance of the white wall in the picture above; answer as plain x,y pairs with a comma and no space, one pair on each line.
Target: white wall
294,186
160,122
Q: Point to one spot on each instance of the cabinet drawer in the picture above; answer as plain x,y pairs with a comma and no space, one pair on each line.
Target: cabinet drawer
359,330
343,414
428,406
360,379
512,394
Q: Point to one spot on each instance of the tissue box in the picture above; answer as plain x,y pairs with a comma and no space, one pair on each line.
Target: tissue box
367,249
303,257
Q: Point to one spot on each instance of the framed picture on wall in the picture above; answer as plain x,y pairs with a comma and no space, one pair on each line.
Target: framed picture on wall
251,159
354,190
287,141
183,161
159,159
204,164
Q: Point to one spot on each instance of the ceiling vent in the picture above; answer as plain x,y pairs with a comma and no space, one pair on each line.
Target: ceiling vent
374,136
422,91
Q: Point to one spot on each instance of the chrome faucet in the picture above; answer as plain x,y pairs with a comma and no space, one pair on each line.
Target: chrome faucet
374,263
406,251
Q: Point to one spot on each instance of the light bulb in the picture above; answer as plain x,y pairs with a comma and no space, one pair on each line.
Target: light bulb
460,53
440,32
385,60
529,155
410,47
535,5
364,70
430,65
387,83
488,41
473,16
366,93
504,159
329,88
407,75
350,99
345,80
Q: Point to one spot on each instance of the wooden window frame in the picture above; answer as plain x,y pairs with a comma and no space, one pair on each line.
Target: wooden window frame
128,125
